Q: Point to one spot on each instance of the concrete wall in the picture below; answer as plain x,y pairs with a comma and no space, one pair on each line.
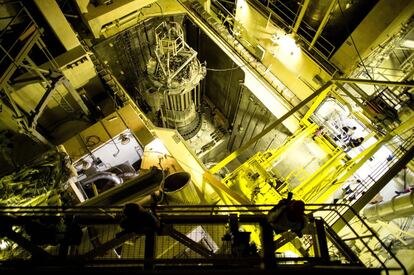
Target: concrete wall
221,87
251,118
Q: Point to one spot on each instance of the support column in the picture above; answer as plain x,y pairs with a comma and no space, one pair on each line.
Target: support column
57,21
76,96
268,245
300,16
149,253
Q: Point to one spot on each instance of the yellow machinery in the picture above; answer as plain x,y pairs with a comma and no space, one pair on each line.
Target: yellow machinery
262,180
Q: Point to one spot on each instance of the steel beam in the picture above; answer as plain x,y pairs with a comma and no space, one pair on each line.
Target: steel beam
236,153
300,16
342,246
350,167
22,120
409,84
321,178
375,188
183,239
320,242
211,179
323,23
43,103
58,23
268,245
314,107
357,101
111,244
149,253
36,251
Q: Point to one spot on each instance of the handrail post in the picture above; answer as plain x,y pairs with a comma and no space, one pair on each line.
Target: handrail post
268,245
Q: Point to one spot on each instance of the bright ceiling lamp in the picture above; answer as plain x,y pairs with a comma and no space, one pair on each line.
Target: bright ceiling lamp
286,44
286,50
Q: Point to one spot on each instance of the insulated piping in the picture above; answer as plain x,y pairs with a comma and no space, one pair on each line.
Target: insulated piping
397,207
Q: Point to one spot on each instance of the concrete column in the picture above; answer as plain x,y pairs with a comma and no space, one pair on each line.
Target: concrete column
58,23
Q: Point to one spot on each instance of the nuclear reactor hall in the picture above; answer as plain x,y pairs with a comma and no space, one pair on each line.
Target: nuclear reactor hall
207,136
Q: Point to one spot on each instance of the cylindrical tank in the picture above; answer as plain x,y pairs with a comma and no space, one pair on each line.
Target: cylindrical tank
179,189
174,73
397,207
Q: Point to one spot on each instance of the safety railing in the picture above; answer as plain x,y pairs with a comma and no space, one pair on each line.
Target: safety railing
244,50
224,236
322,50
401,146
362,240
326,47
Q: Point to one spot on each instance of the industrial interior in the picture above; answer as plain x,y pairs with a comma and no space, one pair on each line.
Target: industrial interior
208,115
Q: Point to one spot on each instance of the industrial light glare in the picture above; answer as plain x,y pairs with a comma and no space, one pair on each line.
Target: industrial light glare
286,50
241,3
242,11
3,244
287,45
290,254
157,146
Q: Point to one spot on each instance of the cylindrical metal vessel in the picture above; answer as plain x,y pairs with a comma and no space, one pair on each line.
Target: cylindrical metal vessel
173,74
179,189
397,207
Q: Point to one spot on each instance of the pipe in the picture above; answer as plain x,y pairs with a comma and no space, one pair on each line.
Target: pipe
131,190
179,189
300,16
103,176
113,141
155,197
397,207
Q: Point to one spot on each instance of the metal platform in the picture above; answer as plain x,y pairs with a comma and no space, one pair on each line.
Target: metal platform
192,239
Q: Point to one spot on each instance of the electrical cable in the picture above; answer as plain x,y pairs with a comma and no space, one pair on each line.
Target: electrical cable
352,40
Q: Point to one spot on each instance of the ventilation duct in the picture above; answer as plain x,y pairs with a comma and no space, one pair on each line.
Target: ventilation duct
397,207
